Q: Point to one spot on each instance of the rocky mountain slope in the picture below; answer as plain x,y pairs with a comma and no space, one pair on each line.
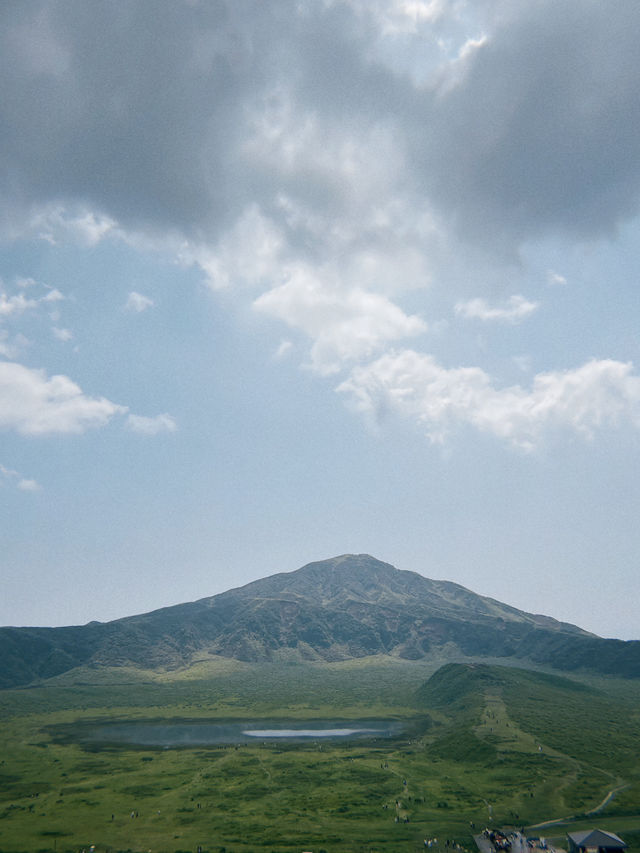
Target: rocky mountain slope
346,607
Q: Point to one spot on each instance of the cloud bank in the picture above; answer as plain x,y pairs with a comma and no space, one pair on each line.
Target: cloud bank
326,162
596,395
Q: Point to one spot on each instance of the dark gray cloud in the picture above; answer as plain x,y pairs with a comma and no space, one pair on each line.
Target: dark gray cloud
135,108
143,110
541,132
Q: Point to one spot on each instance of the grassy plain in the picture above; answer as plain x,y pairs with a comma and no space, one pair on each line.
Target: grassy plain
511,748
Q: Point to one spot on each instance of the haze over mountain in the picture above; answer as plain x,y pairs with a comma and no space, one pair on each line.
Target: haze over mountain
350,606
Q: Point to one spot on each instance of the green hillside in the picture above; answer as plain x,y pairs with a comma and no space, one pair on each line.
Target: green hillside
583,736
478,744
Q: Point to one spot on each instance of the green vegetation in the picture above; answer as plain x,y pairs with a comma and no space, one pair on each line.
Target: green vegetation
481,743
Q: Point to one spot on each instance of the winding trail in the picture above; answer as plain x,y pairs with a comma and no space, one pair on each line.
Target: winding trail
610,795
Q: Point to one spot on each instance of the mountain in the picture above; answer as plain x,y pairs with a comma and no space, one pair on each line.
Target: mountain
346,607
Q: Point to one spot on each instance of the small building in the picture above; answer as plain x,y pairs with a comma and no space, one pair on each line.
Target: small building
595,841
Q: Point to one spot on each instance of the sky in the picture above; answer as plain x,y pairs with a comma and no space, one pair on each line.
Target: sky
283,281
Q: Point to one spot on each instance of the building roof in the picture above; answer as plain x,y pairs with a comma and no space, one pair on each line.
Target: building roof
596,838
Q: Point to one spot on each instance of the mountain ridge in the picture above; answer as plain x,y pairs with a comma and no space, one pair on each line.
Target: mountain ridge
446,591
345,607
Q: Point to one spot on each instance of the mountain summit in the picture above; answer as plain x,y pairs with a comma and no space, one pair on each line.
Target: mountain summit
346,607
339,582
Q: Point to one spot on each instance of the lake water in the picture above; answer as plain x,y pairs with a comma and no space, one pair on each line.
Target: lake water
169,735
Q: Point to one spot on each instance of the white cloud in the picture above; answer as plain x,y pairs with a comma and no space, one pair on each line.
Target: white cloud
53,295
345,324
61,334
515,309
454,71
23,483
151,426
137,303
598,394
26,485
344,304
247,254
401,16
58,224
283,350
16,304
554,278
10,347
294,142
33,404
6,473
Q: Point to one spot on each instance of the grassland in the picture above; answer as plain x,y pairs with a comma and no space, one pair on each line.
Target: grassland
479,745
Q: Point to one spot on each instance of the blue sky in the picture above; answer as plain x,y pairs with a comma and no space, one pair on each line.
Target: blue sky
284,281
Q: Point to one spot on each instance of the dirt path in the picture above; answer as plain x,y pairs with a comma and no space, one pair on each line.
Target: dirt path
610,795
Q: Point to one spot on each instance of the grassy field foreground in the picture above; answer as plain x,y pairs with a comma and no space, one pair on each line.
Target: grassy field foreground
480,745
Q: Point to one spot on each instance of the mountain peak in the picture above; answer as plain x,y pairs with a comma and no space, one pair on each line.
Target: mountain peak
350,578
349,606
355,577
